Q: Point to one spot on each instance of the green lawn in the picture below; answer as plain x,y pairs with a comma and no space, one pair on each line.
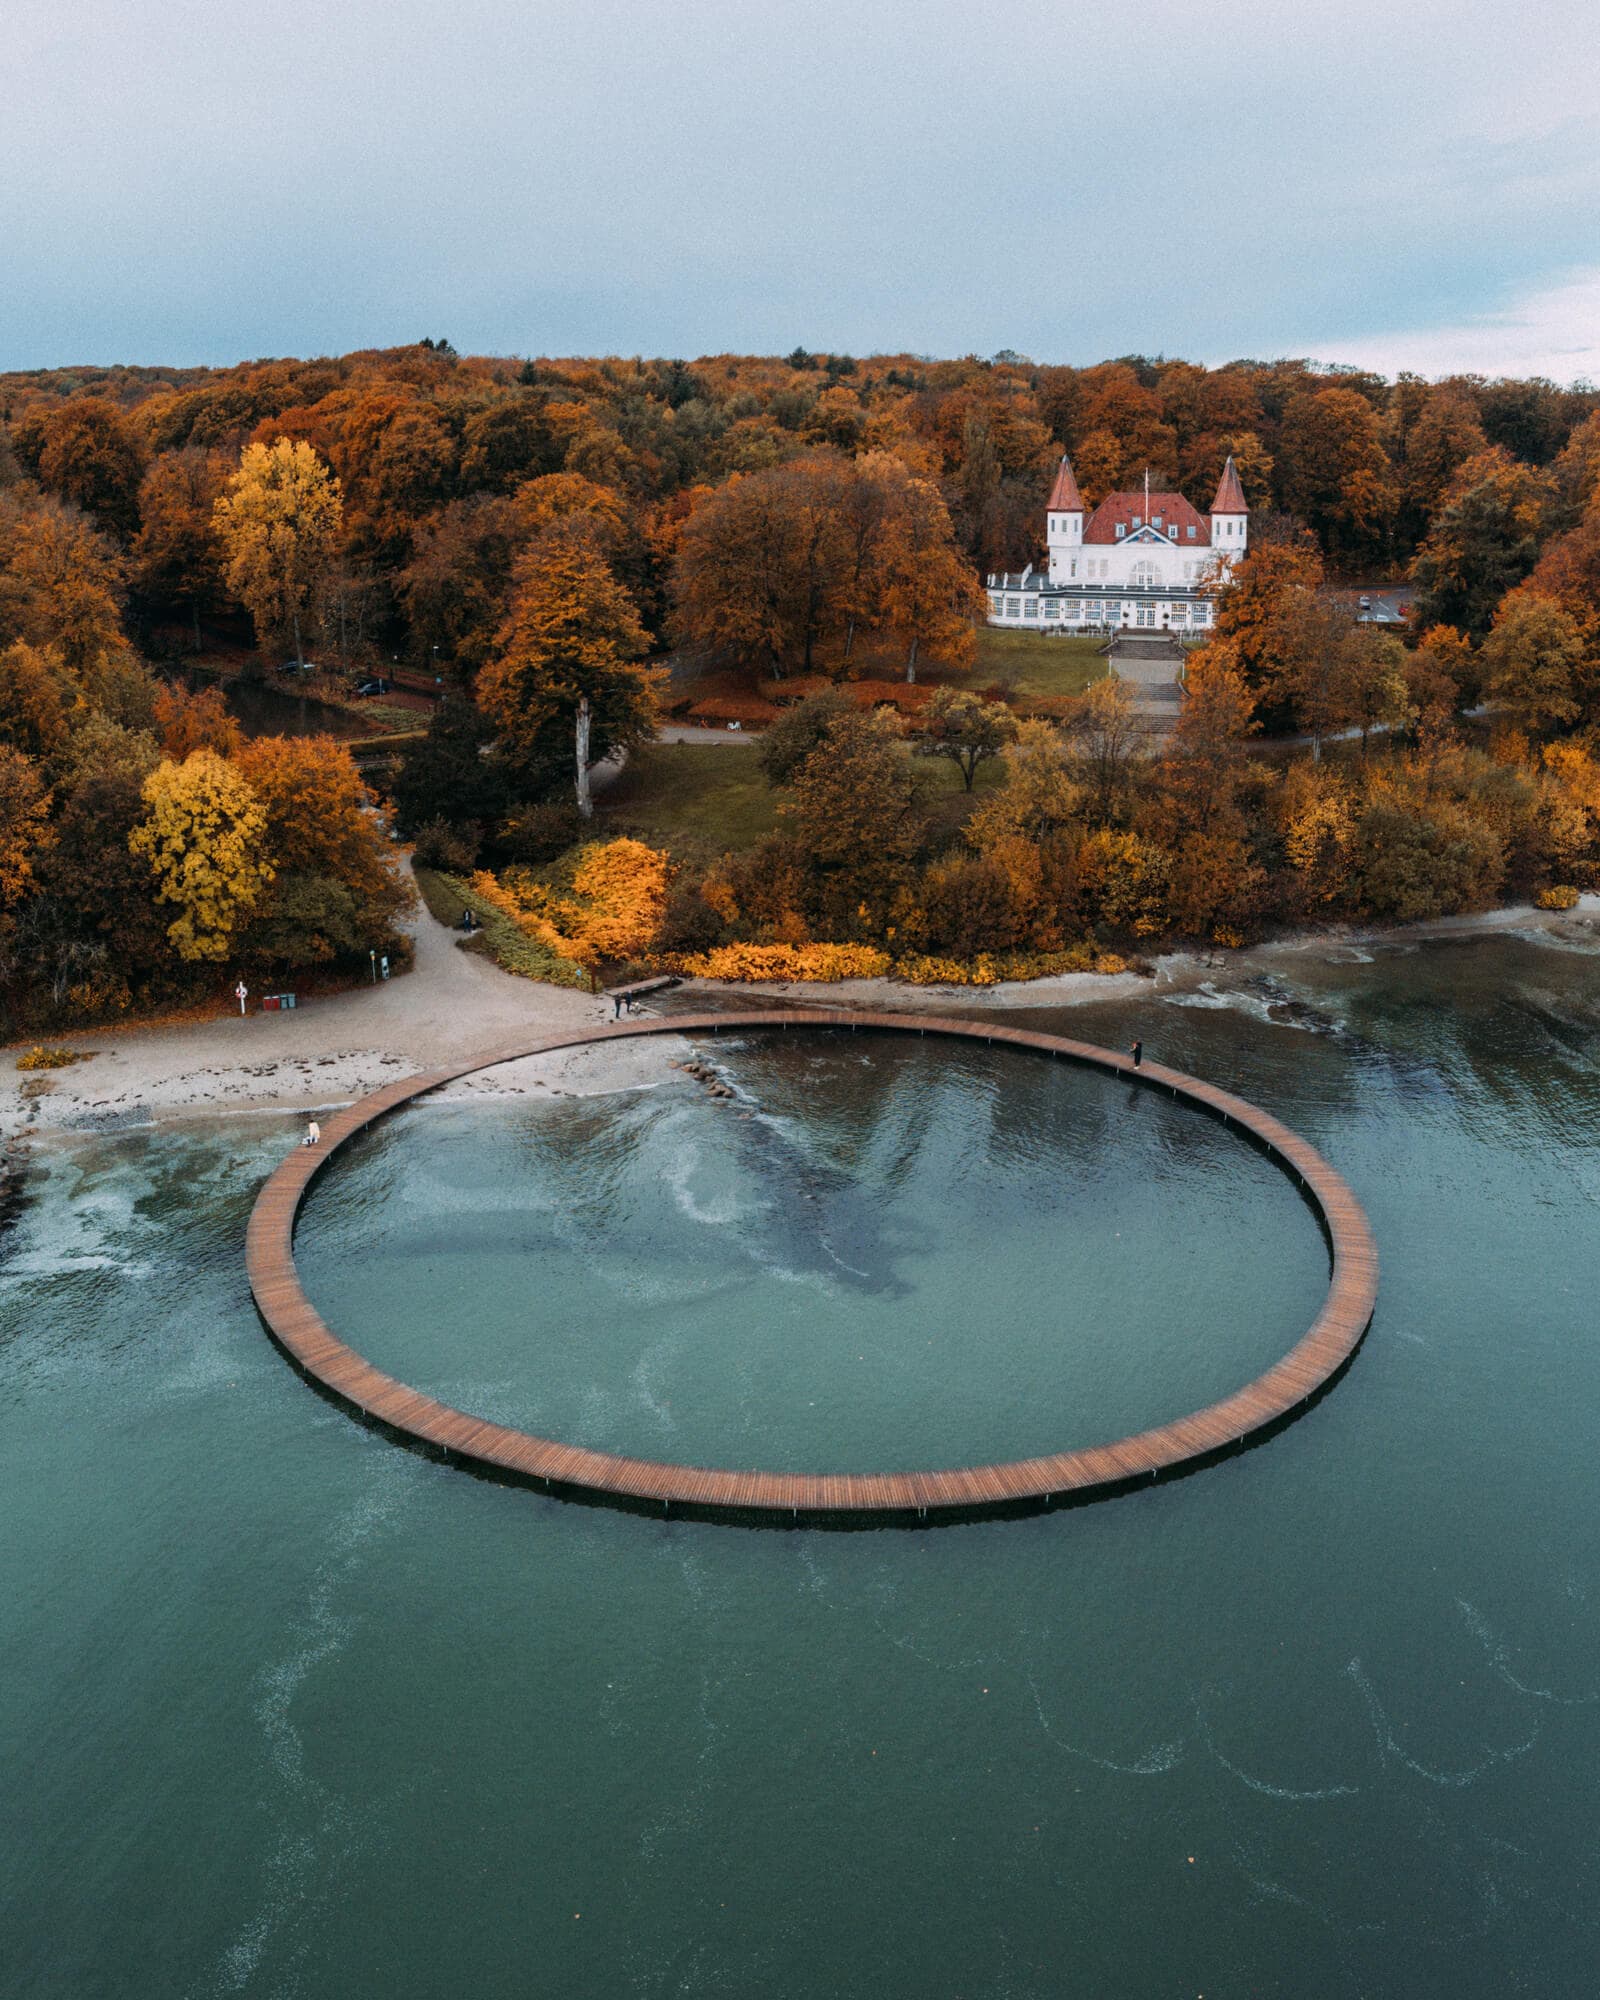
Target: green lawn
1033,664
704,800
700,800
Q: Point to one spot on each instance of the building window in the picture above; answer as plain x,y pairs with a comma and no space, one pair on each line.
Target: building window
996,603
1191,531
1120,531
1051,608
1030,608
1013,607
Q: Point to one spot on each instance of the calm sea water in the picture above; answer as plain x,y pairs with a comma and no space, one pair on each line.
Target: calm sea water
286,1710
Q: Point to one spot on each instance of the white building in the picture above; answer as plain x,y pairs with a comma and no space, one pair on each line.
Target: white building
1145,560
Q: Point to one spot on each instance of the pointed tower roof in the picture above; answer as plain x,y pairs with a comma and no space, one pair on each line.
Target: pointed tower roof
1230,494
1064,495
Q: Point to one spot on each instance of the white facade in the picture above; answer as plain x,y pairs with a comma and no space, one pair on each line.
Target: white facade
1143,560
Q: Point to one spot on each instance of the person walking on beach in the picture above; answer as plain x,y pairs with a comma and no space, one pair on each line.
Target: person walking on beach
1137,1052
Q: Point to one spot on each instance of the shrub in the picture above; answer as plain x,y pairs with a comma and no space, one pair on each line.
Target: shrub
1560,896
798,731
690,923
918,970
535,834
824,963
41,1057
612,909
969,907
443,846
988,969
1418,861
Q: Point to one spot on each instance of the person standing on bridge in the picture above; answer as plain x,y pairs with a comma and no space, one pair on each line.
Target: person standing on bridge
1137,1052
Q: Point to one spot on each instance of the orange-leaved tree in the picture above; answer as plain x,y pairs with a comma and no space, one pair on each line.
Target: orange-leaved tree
930,595
565,669
24,827
60,580
89,453
36,699
188,722
334,890
177,561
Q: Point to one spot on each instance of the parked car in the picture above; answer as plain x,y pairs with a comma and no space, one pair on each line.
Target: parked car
298,667
370,684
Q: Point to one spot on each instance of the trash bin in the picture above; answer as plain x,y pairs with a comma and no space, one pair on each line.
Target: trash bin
269,1003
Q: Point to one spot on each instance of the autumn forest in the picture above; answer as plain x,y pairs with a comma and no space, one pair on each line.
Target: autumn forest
469,592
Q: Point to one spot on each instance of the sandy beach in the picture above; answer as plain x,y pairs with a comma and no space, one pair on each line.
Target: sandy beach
452,1002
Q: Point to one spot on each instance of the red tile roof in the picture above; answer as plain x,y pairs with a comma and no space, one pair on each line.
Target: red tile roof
1123,509
1064,495
1230,494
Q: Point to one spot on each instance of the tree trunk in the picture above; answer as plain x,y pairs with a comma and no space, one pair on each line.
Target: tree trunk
585,803
849,637
299,649
195,608
911,660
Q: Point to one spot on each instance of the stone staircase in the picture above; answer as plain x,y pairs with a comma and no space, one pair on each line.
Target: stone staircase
1150,663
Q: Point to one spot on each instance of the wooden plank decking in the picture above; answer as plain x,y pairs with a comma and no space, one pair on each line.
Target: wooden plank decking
1285,1387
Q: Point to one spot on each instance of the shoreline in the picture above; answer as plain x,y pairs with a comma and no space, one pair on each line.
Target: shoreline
1173,970
337,1049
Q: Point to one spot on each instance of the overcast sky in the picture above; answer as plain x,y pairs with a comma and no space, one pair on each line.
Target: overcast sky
1408,185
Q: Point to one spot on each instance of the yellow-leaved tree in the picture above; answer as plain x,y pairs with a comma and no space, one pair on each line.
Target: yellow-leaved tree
203,836
279,518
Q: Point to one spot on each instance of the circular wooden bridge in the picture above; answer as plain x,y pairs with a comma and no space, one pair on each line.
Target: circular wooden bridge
498,1449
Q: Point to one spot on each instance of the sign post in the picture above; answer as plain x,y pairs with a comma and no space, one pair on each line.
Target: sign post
241,993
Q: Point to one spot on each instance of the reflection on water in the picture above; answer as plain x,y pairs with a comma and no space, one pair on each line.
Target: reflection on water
879,1254
267,708
287,1710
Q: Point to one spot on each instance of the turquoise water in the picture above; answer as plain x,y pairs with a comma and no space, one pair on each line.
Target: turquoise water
289,1711
880,1255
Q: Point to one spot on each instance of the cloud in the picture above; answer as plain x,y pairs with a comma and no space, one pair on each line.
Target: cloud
188,180
1553,330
